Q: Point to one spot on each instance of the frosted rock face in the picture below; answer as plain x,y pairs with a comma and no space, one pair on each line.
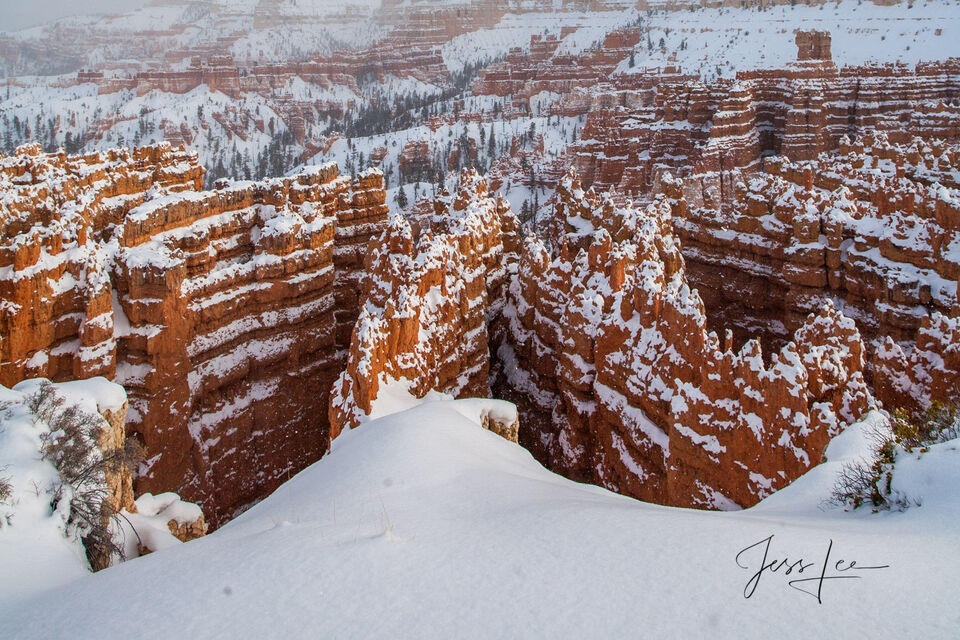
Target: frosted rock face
219,311
929,371
433,293
642,125
56,317
874,225
597,334
610,360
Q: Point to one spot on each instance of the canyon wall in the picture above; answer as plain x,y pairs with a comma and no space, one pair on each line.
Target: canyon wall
873,227
219,311
230,314
599,336
609,357
689,128
57,213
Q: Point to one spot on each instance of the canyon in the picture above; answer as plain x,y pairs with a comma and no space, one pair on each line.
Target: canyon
712,274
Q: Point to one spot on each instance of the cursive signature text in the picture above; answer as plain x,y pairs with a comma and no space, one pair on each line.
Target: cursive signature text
806,576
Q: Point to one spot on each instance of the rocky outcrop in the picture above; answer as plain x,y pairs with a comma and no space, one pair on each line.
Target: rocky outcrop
609,357
432,295
56,212
680,125
158,522
219,311
78,428
813,45
864,227
915,377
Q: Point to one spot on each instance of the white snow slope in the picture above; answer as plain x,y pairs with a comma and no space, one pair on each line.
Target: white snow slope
422,524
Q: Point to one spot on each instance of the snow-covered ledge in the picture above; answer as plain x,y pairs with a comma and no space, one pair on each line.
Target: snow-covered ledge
498,416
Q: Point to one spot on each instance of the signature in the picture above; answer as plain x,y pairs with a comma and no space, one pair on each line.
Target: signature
758,558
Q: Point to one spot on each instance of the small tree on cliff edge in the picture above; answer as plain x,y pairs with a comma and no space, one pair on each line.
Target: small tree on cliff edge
402,198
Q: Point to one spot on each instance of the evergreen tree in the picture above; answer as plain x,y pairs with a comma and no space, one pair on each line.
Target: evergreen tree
402,198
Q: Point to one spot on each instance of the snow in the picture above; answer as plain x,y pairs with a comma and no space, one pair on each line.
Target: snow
929,477
395,396
720,42
35,546
93,395
422,524
148,526
516,29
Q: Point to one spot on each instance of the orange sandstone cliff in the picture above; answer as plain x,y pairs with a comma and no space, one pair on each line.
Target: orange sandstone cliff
218,311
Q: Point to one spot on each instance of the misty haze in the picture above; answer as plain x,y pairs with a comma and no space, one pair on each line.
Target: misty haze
18,15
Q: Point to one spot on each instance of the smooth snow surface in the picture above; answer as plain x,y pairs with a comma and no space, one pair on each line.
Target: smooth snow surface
422,524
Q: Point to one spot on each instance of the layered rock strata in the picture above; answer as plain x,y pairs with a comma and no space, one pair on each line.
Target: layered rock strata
609,357
870,227
686,127
57,215
218,311
433,294
542,66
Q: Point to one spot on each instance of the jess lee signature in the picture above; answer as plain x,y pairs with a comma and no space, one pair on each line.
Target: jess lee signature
806,576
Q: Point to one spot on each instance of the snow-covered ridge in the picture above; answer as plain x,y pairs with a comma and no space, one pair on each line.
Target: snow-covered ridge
422,524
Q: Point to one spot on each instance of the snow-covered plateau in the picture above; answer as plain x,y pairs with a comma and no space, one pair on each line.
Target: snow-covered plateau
422,524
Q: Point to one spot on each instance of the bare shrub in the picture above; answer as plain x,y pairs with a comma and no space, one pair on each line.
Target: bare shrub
860,482
72,445
870,482
6,495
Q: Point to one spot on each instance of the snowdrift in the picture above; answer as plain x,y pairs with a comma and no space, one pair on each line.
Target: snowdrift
422,524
